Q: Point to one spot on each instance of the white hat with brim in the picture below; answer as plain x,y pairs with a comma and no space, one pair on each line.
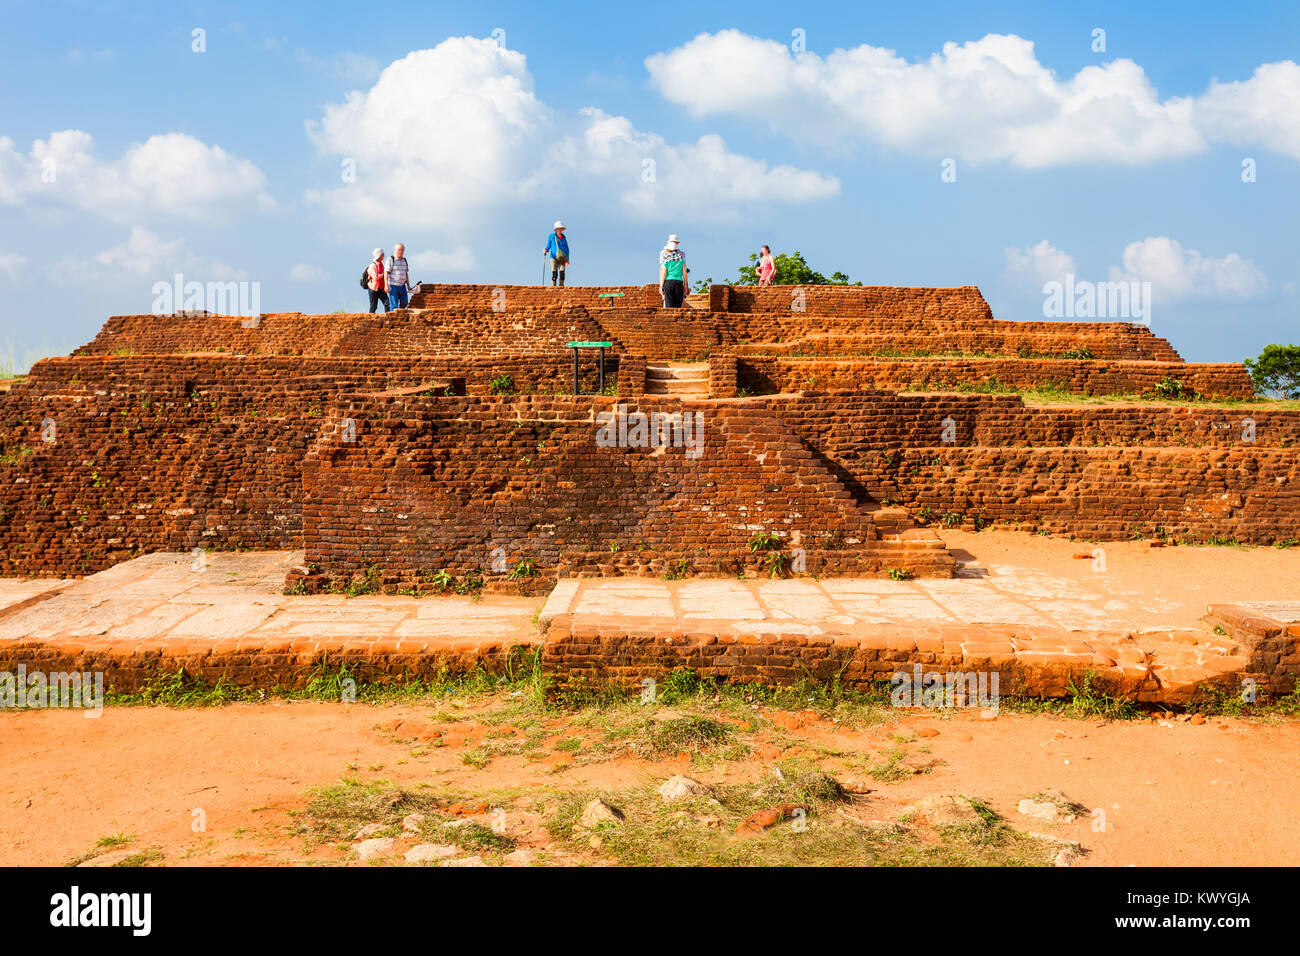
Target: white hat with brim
673,240
377,254
559,224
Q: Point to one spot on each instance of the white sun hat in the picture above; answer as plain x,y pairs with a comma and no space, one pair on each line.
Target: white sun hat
377,254
673,239
559,224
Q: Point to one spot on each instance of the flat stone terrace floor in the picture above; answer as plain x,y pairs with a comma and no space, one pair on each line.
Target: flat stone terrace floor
1135,612
166,605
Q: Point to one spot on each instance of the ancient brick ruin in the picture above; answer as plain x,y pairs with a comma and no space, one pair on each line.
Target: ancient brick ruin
789,430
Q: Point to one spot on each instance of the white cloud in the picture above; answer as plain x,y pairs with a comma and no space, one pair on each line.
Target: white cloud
702,176
450,133
1177,273
11,263
144,254
983,100
1174,272
1262,111
1039,263
458,260
172,174
302,272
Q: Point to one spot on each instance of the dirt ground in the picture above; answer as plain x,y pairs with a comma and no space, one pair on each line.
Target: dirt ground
142,779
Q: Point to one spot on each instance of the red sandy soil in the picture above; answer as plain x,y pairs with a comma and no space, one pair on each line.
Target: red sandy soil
1212,793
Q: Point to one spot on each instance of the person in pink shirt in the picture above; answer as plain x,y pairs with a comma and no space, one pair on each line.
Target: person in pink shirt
766,266
377,280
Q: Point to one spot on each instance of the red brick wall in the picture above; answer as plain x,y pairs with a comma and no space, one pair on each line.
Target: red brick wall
515,297
722,375
1082,377
432,484
963,302
1117,472
1038,339
478,331
172,453
461,332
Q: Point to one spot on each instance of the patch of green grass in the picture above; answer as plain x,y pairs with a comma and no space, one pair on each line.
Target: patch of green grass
892,770
179,689
369,583
1223,702
1087,700
523,677
143,858
827,829
691,734
335,814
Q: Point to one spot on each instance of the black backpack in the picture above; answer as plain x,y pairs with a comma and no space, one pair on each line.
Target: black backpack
365,278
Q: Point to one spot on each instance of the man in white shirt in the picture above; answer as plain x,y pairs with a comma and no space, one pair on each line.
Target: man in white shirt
399,278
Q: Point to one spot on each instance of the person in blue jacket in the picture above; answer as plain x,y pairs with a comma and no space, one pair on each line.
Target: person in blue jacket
557,250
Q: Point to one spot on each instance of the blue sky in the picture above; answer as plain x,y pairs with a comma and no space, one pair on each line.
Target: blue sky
229,163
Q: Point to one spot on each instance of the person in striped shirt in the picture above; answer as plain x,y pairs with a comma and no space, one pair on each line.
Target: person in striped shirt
399,278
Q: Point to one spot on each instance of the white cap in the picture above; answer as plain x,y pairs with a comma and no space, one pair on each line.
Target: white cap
377,254
673,240
559,224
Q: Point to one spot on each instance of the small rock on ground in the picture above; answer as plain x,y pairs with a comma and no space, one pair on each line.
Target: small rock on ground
597,812
681,788
430,852
946,809
369,830
367,849
465,861
1051,806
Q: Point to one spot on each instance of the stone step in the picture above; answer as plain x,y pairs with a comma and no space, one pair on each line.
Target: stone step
681,380
669,387
657,376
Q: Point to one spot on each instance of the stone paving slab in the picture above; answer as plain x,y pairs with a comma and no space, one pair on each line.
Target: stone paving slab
1002,616
15,591
230,612
166,604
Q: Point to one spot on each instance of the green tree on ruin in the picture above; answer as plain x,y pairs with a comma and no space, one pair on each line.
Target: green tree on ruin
791,269
1277,371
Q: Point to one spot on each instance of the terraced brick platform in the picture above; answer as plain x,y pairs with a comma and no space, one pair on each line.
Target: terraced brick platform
229,620
1038,633
795,433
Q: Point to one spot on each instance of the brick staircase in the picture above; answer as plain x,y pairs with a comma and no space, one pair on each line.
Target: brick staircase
679,381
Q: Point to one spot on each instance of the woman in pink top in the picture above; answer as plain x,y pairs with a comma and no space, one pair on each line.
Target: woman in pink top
378,281
766,266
